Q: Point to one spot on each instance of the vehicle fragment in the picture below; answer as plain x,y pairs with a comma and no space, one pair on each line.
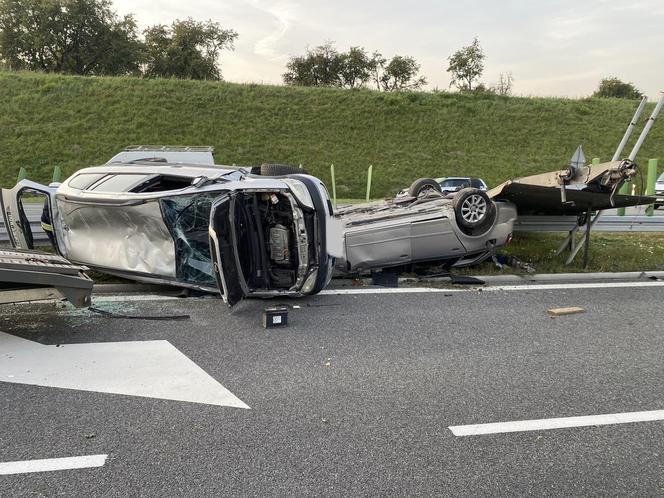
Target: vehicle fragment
35,275
581,187
275,316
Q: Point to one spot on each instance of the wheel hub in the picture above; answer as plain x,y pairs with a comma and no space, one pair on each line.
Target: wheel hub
473,209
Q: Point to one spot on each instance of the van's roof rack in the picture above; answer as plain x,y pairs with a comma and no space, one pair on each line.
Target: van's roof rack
183,154
169,148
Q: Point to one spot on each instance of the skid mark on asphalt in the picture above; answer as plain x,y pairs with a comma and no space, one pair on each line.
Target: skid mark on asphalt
153,369
556,423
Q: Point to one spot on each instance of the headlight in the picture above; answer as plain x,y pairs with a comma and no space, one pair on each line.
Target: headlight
310,282
300,191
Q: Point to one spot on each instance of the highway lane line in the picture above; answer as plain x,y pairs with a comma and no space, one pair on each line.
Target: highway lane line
51,464
519,287
388,290
556,423
394,290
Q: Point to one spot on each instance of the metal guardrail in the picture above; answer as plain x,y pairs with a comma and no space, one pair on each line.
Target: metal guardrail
606,223
37,232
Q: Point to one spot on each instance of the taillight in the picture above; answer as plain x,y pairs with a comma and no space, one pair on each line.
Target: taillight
509,239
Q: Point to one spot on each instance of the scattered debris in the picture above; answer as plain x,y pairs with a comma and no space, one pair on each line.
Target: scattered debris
275,316
385,278
464,280
502,260
139,317
570,310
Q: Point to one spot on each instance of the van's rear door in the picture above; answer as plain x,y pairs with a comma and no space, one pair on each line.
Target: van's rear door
223,249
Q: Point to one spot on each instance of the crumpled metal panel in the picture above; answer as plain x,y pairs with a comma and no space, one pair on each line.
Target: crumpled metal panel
127,238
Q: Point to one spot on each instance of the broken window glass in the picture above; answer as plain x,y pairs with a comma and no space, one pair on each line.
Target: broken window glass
187,218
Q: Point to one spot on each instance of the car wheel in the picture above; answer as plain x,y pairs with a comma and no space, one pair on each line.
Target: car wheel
281,170
475,213
424,186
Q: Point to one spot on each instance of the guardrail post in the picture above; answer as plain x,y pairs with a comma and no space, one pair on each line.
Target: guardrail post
650,184
369,181
22,174
624,190
57,173
334,186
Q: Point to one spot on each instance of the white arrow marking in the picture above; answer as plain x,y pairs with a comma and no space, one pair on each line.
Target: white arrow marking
51,464
152,369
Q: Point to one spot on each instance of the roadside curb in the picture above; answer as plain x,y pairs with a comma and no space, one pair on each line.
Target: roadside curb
549,277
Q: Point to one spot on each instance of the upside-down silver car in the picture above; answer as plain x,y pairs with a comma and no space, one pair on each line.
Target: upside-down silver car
259,232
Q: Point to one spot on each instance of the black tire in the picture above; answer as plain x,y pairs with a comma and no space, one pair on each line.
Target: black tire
475,213
281,170
423,186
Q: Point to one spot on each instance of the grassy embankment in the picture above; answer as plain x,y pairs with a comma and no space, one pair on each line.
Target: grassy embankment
72,122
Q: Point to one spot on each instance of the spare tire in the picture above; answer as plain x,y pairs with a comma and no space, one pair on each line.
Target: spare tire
423,186
281,170
475,213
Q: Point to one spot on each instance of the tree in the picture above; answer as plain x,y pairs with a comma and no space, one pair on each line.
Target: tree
187,49
321,66
69,36
504,85
357,67
612,87
466,66
400,73
326,66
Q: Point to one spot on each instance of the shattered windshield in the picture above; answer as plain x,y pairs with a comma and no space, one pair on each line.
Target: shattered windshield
187,218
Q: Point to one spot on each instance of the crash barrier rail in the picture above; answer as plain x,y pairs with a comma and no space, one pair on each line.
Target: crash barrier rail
613,223
37,232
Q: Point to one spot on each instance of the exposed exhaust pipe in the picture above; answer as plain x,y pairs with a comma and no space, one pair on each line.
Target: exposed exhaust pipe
630,128
646,128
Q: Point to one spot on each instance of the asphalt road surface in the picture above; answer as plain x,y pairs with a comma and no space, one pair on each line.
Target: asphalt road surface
355,397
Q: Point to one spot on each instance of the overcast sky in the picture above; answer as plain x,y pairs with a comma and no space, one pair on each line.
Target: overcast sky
552,48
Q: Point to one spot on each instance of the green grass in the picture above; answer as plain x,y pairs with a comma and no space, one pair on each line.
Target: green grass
609,252
73,122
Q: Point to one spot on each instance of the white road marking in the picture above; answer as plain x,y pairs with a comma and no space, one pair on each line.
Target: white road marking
388,290
556,423
520,287
51,464
153,369
593,285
